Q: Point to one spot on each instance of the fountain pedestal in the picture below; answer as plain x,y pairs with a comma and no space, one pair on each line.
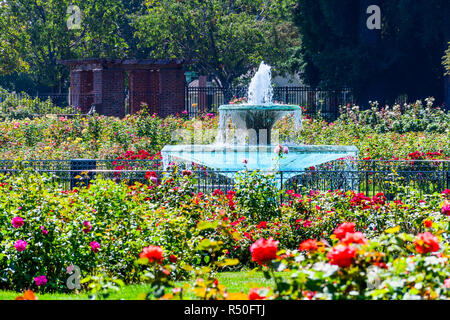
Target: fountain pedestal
255,122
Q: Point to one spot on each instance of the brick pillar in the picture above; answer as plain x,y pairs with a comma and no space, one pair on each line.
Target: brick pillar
144,88
81,89
109,89
172,91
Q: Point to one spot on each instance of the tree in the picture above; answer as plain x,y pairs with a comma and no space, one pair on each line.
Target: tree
44,36
221,38
12,40
404,57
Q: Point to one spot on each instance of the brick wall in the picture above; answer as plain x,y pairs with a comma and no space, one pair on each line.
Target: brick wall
160,85
81,94
144,88
172,91
113,92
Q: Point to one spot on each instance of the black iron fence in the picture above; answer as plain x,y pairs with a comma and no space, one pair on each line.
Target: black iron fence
364,176
209,99
58,99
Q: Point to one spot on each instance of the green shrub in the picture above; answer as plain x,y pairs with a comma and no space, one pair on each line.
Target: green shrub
14,107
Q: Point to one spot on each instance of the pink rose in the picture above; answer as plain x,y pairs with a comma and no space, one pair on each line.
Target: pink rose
447,283
40,281
17,222
87,226
20,245
95,246
446,209
44,231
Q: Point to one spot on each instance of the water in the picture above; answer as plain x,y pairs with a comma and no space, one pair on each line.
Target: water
255,119
231,157
260,90
254,123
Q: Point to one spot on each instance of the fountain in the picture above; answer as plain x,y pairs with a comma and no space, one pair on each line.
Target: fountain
256,118
245,136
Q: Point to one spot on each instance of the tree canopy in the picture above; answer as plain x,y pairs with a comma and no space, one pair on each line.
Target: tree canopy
39,35
12,43
404,57
223,39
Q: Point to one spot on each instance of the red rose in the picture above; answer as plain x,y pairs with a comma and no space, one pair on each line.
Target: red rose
426,242
217,192
173,258
186,173
341,255
150,174
309,245
262,225
343,229
254,294
356,237
264,250
428,223
152,253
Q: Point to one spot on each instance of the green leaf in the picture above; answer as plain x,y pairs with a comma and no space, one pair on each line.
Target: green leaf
204,225
228,262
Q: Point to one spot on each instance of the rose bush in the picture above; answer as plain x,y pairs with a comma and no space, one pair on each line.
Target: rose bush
100,228
390,266
99,137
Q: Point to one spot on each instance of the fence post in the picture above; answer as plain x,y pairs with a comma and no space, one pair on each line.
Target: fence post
448,179
77,167
281,186
367,184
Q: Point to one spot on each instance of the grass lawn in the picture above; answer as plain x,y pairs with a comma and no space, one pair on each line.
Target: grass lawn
233,281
